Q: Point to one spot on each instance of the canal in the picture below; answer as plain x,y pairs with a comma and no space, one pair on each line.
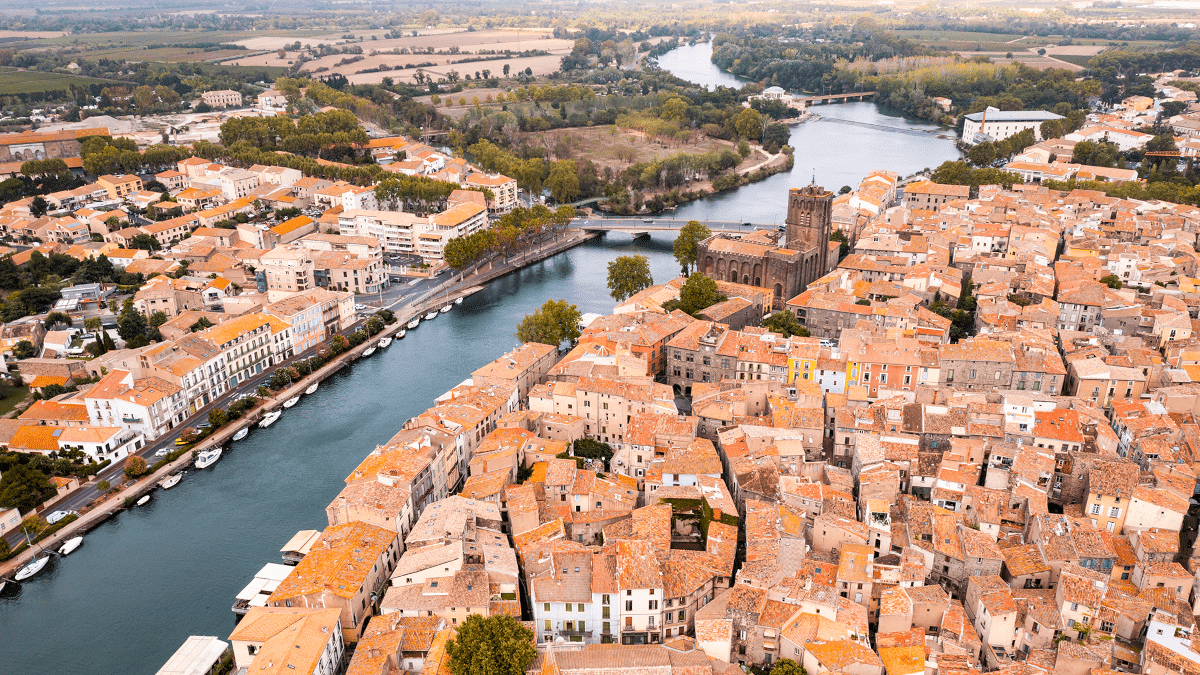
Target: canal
828,150
148,578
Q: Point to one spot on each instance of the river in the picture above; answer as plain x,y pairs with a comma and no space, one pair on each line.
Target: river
828,151
151,576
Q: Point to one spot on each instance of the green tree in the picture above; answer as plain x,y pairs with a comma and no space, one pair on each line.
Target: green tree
788,667
627,275
563,181
783,322
686,244
103,487
982,154
55,318
145,242
24,350
217,417
675,108
698,293
556,322
743,148
1111,280
23,487
281,378
840,237
131,326
157,319
497,645
593,449
200,325
749,124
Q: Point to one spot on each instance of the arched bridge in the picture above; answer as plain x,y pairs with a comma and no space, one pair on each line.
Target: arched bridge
643,227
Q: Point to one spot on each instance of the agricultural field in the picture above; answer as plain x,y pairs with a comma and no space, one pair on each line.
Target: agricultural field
377,52
167,54
16,81
930,36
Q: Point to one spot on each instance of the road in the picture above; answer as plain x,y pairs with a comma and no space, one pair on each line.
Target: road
655,224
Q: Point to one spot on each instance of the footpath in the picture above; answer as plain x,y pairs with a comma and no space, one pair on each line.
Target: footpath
106,507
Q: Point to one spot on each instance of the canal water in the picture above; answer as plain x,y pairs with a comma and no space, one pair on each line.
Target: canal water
145,580
829,151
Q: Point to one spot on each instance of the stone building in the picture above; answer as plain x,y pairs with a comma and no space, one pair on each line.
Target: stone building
757,260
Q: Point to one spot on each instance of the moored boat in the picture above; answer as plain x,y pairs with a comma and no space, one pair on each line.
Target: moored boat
291,401
401,334
369,351
458,300
447,308
171,481
241,433
270,419
208,458
414,323
313,388
32,568
70,545
431,316
143,500
383,344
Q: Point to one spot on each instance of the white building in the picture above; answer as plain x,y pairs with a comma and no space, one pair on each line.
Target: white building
149,406
995,125
101,443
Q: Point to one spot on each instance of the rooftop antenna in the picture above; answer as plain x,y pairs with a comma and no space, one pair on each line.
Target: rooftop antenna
814,178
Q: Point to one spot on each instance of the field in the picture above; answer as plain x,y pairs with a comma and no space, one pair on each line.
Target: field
377,52
169,54
14,81
609,146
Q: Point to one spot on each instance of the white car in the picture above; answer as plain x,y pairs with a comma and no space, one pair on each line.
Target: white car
58,515
162,452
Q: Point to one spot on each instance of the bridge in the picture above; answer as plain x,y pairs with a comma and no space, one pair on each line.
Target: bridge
881,127
645,227
805,101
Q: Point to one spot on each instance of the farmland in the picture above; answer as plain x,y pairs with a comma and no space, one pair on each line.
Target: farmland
610,146
15,81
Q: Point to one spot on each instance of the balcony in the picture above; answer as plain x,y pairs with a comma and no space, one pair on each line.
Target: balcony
575,633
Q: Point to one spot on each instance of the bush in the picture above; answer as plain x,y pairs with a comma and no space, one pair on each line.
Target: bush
135,467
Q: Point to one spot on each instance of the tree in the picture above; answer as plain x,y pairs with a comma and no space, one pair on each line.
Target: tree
699,293
131,326
788,667
55,318
840,237
497,645
281,378
23,487
982,154
92,324
749,124
39,206
556,322
1051,129
200,325
103,487
145,242
687,243
217,417
627,275
1111,280
135,466
24,350
783,322
593,449
563,181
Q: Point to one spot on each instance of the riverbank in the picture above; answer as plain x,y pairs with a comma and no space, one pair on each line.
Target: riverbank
104,508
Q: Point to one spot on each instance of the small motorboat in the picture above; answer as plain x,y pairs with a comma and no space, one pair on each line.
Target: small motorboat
143,500
242,433
270,419
383,344
291,401
170,481
414,323
70,545
458,300
369,351
32,568
2,585
431,316
208,458
313,389
401,334
447,308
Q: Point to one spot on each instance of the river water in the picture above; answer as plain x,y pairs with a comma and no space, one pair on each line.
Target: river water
148,578
828,151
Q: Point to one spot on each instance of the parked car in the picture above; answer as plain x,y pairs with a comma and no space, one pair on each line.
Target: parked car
163,452
59,515
648,220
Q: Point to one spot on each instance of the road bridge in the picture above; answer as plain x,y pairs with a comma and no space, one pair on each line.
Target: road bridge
646,226
805,101
881,127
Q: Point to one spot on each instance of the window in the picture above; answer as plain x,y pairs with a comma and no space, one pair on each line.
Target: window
972,374
604,599
546,607
1114,512
548,625
1095,509
628,605
653,604
579,607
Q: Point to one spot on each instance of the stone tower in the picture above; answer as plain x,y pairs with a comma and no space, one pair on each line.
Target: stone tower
809,224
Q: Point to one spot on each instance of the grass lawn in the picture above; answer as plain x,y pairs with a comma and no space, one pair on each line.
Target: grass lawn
11,397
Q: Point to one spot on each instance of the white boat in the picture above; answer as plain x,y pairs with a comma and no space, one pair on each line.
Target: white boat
2,585
313,388
269,419
70,545
369,351
383,344
401,334
291,401
171,481
414,323
447,308
143,500
32,568
241,433
208,458
431,316
458,300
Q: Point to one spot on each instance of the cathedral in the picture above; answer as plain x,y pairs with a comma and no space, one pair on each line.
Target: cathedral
788,267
